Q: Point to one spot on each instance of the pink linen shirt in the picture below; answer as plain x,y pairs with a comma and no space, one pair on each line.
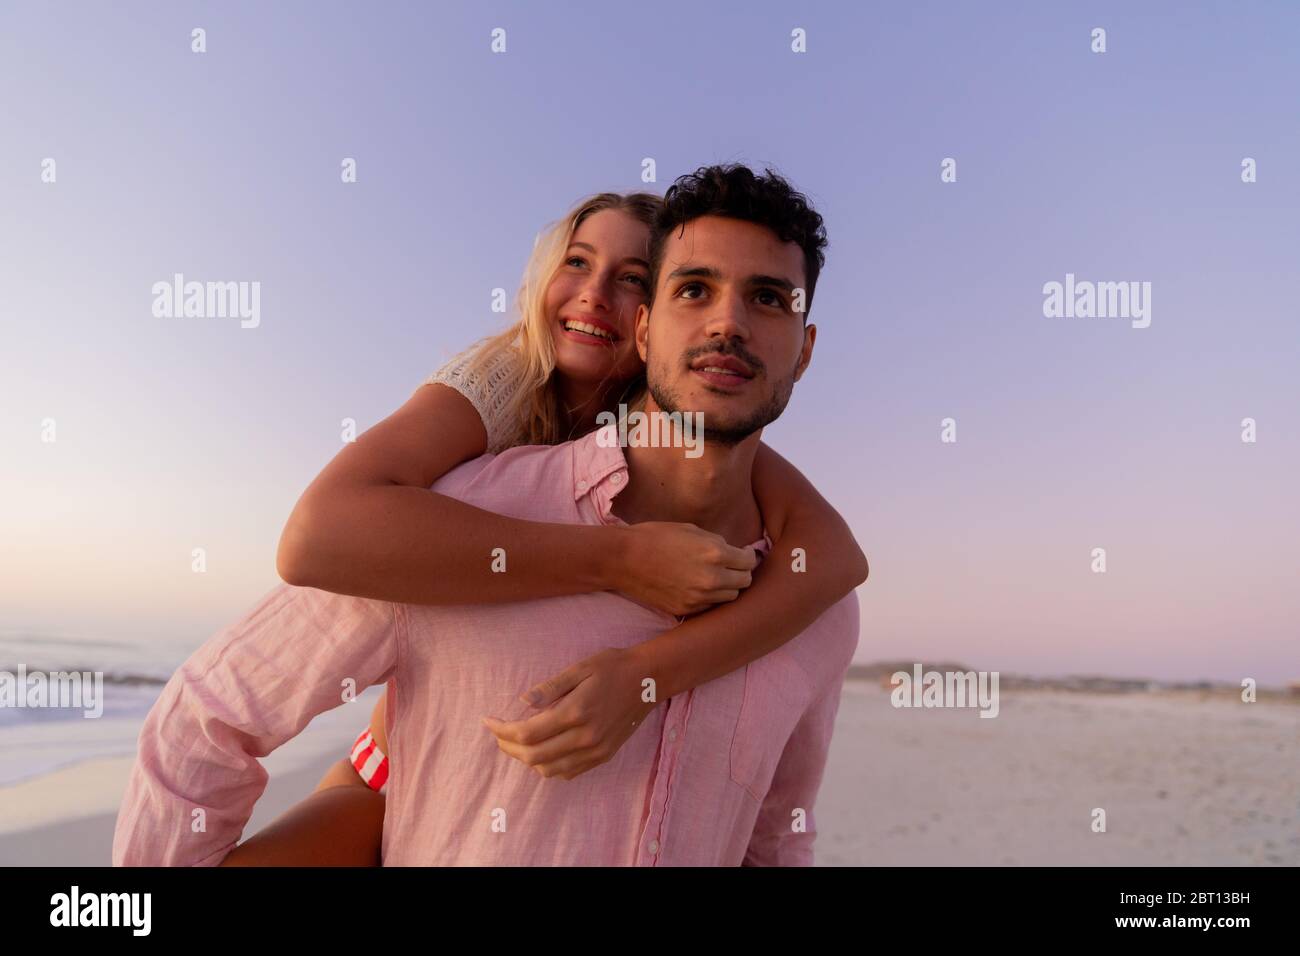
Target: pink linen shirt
725,774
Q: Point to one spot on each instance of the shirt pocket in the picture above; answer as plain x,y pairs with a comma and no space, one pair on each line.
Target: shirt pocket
777,691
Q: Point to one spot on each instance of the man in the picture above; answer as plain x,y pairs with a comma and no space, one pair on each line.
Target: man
722,775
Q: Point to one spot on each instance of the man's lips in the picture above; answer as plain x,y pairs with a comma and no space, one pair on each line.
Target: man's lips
723,370
724,379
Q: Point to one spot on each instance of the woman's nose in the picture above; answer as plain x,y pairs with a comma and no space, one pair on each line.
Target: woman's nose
595,294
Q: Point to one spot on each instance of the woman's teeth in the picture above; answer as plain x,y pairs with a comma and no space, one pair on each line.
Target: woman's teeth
589,329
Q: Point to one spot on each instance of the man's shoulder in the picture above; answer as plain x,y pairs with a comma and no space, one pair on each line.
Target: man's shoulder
826,647
839,628
524,480
516,458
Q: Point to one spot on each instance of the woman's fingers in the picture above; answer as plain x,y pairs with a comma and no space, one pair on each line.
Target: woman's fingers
553,688
675,563
561,747
727,587
588,725
575,765
532,730
742,559
734,580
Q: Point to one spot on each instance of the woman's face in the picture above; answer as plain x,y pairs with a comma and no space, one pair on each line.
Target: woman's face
592,300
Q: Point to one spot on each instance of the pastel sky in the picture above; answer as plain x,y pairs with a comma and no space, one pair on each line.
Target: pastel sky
1072,434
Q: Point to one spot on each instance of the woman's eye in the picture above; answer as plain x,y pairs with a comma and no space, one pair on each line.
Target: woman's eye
572,259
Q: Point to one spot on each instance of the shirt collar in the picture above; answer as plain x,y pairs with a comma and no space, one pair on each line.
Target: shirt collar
599,465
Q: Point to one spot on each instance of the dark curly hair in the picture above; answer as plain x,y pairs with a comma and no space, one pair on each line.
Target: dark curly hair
733,191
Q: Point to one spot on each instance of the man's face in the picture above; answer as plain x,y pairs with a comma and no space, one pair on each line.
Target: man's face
722,336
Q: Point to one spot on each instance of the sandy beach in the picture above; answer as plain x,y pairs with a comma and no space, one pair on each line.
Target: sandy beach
1184,779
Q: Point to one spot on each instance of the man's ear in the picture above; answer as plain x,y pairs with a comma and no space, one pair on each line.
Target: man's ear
642,321
805,356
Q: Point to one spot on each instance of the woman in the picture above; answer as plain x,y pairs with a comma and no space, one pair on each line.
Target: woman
370,526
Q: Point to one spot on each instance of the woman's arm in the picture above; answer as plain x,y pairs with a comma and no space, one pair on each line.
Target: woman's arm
782,602
602,694
369,526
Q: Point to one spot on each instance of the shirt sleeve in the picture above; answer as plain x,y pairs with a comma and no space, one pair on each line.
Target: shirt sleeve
489,384
786,826
782,835
249,689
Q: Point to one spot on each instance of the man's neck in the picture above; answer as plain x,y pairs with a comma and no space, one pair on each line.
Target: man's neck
714,491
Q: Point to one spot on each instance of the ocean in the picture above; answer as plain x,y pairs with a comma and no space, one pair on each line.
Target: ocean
36,740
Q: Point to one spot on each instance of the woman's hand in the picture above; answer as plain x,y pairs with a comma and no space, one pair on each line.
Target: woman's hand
590,709
682,569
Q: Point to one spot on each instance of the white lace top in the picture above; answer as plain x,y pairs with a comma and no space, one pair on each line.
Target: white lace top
489,388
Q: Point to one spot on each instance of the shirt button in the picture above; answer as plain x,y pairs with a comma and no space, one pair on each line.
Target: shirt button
582,487
654,846
672,734
616,478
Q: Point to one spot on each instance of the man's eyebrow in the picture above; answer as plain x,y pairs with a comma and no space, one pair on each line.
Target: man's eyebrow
699,272
777,281
635,260
709,272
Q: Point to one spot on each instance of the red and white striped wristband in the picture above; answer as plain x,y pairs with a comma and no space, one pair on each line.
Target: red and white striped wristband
370,762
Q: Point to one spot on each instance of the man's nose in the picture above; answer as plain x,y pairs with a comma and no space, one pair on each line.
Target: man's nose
728,318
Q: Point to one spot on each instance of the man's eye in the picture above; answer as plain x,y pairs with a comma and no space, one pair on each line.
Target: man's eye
691,287
768,297
639,280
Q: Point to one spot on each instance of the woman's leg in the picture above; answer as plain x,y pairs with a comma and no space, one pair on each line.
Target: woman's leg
340,824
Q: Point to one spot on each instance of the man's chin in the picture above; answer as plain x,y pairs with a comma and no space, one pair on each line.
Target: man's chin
726,432
727,418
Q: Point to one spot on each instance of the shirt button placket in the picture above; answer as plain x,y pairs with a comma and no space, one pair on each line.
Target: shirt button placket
676,711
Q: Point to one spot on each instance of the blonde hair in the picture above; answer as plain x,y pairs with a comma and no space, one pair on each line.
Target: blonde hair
535,404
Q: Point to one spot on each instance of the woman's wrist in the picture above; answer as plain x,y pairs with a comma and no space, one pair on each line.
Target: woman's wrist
608,557
660,659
